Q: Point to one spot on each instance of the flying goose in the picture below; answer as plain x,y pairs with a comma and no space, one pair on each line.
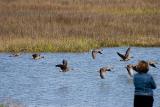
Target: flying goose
131,67
95,51
152,63
64,66
103,71
126,56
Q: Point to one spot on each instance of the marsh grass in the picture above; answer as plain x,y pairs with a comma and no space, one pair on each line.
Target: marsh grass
77,25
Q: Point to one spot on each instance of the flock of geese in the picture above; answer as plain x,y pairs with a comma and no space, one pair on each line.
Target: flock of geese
102,71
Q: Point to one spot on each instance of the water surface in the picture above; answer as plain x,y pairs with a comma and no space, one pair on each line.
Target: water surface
39,83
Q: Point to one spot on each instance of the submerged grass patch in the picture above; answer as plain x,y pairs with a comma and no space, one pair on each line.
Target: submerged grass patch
77,26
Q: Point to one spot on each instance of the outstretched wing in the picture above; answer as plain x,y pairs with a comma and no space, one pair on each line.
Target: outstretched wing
130,71
153,65
99,51
94,54
127,52
59,65
64,62
122,56
101,75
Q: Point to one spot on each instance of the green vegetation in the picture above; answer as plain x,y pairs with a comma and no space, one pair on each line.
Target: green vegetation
77,25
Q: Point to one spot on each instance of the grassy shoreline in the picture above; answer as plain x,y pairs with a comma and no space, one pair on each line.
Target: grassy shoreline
73,44
78,25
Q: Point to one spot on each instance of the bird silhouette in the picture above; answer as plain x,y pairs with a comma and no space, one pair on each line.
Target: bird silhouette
64,66
37,56
152,63
102,71
95,52
126,56
131,68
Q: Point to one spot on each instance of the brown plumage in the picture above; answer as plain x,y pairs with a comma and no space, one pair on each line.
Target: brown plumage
95,52
64,66
103,71
125,57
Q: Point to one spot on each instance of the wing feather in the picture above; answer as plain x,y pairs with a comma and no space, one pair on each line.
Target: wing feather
127,52
122,56
94,54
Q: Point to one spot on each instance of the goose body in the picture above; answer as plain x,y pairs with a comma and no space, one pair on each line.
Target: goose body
64,66
126,56
37,56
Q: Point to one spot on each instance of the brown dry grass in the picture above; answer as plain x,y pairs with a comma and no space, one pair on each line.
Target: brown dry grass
77,25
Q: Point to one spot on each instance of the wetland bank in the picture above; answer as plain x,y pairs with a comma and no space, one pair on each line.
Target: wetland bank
77,25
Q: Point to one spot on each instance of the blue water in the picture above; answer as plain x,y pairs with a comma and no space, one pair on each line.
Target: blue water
39,83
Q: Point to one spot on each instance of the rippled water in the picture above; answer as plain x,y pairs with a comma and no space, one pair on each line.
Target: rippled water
39,83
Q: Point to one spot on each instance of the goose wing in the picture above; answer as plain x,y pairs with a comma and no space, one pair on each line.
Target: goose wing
101,75
59,65
127,52
130,71
153,65
64,62
99,51
122,56
101,71
94,54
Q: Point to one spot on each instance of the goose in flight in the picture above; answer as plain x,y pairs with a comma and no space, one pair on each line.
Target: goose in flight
126,56
64,66
133,67
95,52
103,71
152,63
